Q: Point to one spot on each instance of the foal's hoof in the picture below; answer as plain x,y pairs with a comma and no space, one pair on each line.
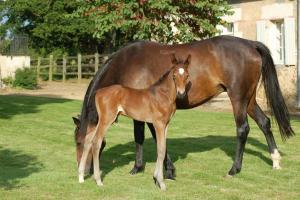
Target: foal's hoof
276,167
99,183
81,179
161,185
136,169
170,174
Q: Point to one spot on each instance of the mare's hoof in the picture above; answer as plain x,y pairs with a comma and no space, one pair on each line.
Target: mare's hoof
228,176
234,170
136,169
170,174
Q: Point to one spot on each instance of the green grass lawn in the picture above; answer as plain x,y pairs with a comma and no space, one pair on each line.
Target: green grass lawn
37,157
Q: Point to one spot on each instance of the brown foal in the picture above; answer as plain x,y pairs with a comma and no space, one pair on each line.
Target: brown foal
155,105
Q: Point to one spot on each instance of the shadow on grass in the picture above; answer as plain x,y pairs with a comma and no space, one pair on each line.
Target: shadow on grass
15,165
178,148
11,105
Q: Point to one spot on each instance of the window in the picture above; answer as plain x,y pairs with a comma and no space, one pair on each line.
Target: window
279,36
226,30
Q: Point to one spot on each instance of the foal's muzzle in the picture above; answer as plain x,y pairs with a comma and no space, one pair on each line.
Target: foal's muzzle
181,95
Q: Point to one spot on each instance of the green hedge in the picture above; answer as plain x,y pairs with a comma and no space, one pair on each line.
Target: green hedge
25,78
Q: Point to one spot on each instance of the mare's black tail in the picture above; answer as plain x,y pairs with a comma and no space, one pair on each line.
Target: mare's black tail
273,93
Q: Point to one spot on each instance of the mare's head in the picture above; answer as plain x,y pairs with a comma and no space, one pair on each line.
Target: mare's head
181,75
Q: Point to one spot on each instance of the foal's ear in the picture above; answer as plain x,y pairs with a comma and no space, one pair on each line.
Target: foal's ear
76,121
173,58
187,61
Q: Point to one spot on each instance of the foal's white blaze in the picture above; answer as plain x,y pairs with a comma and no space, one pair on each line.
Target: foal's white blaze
181,71
120,109
276,159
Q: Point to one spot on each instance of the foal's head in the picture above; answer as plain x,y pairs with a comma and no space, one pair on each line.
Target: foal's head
180,75
79,138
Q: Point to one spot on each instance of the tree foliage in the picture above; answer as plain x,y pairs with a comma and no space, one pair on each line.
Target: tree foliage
47,25
82,25
164,21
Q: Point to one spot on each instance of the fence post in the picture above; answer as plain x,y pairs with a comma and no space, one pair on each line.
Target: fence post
64,68
96,62
79,67
38,69
50,67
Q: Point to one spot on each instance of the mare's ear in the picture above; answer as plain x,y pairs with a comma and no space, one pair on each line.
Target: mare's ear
187,61
76,121
173,58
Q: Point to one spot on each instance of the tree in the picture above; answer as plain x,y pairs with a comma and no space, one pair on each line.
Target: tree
48,26
167,21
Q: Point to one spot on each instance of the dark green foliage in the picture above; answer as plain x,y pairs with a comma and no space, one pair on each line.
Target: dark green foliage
25,78
63,26
47,25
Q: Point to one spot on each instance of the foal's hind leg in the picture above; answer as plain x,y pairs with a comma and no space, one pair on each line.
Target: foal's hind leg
264,124
242,129
169,167
139,137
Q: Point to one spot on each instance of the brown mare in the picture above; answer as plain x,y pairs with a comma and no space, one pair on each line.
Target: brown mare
220,64
156,105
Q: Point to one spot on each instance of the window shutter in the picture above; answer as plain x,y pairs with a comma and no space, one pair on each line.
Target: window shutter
261,31
289,41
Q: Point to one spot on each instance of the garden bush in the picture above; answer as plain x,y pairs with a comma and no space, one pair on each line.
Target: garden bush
25,78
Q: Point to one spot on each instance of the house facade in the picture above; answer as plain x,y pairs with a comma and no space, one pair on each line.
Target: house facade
272,22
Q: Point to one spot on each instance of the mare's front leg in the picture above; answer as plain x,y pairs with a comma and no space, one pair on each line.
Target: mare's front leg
139,137
169,166
158,177
86,149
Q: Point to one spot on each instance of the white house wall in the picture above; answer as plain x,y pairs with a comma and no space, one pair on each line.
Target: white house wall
9,65
253,20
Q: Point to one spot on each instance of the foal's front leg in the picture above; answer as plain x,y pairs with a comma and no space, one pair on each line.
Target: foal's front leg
97,143
169,166
161,151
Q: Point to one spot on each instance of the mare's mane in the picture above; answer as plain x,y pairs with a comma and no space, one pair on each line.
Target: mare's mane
88,107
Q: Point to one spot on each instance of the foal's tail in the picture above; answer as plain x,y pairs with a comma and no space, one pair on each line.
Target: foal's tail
273,93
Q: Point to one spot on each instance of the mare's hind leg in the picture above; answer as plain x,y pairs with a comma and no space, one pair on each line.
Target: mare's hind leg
169,166
264,124
242,130
139,137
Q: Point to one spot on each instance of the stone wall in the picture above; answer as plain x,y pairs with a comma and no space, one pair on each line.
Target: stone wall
287,77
